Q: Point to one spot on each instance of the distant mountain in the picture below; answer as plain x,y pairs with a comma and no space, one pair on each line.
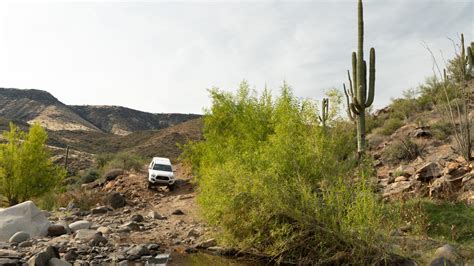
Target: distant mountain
30,106
123,121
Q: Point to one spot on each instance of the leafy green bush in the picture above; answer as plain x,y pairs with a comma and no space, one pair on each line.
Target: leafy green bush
390,126
275,181
26,170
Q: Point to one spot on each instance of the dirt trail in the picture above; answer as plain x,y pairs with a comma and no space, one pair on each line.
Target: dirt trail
177,231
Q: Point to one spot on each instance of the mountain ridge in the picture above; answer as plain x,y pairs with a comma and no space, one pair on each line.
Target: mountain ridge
39,106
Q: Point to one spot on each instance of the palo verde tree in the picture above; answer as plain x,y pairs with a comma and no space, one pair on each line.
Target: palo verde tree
360,96
26,170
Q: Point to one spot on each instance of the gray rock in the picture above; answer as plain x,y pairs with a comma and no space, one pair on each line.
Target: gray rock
19,237
42,258
207,244
116,200
85,235
104,230
137,218
428,171
79,225
153,246
100,210
58,262
137,252
25,244
156,215
98,240
133,226
71,255
113,174
177,212
56,230
24,217
9,262
72,205
160,259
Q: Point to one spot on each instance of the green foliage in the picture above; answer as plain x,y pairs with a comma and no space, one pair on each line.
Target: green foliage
390,126
441,130
90,175
403,150
450,221
26,170
274,180
440,220
123,160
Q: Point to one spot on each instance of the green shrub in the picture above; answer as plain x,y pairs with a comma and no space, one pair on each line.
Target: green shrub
48,201
442,130
276,182
90,175
103,158
390,126
123,160
402,150
26,170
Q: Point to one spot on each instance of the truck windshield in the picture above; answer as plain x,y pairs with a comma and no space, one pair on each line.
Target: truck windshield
162,167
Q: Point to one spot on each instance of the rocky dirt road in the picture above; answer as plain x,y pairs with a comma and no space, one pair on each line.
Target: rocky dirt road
134,225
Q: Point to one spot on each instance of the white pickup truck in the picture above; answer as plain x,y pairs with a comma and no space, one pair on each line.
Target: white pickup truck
160,173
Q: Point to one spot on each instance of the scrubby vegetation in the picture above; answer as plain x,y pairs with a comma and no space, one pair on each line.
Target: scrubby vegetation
26,170
274,179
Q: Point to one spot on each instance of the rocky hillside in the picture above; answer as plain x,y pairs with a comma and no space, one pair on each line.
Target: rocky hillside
30,106
122,121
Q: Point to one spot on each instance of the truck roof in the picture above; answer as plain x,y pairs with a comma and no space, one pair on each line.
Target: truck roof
161,160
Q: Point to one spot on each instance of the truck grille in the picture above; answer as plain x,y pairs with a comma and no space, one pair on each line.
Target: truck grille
162,178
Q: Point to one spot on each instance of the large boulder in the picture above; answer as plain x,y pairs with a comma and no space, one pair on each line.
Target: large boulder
78,225
116,200
428,171
19,237
24,217
113,174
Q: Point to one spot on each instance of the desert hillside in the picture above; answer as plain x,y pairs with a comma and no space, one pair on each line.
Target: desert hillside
30,106
122,121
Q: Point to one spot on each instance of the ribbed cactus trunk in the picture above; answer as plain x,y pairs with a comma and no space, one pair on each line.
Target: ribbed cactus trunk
324,112
359,80
360,96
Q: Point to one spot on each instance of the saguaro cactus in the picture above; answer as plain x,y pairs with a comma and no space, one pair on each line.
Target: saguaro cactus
324,111
360,96
467,60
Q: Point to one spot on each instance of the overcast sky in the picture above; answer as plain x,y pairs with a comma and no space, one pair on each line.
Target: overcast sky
162,56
